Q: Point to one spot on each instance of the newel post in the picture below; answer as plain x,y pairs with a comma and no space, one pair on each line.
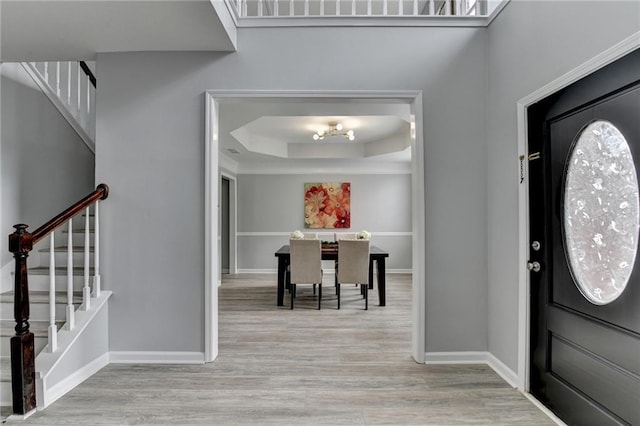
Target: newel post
23,384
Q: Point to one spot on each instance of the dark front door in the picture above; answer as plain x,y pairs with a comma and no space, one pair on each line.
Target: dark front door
585,299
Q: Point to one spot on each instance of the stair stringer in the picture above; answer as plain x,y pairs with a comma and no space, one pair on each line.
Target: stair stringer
81,353
69,115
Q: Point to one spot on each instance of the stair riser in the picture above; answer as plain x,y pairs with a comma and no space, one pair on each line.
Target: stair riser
77,237
63,231
5,347
41,282
37,311
61,259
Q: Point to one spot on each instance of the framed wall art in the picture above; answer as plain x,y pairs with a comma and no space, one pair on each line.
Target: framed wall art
327,205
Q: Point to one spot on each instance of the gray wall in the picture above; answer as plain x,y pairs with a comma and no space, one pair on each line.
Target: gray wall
45,165
275,203
150,149
530,44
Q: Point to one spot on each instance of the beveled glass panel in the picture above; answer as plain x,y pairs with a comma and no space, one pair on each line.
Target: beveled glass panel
601,208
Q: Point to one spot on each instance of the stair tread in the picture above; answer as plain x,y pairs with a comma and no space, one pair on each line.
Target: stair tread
60,270
38,328
5,369
63,249
43,297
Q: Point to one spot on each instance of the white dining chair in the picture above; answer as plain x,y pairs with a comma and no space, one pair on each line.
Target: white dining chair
353,266
305,266
344,236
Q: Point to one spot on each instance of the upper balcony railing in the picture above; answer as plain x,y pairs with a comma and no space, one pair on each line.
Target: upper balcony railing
361,8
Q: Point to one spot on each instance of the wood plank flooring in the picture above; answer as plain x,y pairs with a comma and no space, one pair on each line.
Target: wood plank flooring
300,367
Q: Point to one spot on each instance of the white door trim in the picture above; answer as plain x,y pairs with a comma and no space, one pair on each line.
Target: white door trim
524,315
414,99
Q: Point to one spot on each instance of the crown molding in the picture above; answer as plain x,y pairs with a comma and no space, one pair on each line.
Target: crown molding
300,168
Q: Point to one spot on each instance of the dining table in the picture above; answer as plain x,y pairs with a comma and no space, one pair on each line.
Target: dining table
330,252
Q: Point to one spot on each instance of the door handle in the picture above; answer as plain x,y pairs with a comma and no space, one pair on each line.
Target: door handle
534,266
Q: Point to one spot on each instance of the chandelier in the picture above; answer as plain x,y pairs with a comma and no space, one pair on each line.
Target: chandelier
335,129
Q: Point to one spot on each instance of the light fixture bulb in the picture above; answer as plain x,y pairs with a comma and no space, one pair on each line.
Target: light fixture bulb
335,129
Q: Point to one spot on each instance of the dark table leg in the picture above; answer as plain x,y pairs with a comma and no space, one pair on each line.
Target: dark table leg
371,273
382,285
282,268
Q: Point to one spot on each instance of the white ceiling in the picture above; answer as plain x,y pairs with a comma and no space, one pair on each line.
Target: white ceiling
279,131
41,30
76,30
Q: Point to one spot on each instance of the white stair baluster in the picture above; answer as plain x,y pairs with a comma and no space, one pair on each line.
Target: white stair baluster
69,84
260,7
400,7
52,331
291,8
432,7
96,251
86,291
337,7
46,73
353,7
306,7
70,308
58,79
415,7
321,7
79,80
276,8
368,7
385,8
87,123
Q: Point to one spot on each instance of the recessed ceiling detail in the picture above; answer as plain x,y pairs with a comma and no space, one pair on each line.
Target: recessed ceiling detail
289,136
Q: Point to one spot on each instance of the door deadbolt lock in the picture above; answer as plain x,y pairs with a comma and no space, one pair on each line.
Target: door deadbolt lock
535,245
533,266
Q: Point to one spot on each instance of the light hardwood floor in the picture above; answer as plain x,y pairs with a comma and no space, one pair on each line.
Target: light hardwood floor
300,367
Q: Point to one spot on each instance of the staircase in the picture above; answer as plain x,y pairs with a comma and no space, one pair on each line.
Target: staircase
39,283
67,309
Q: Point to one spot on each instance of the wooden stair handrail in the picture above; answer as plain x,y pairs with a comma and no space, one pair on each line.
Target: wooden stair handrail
87,71
23,385
101,193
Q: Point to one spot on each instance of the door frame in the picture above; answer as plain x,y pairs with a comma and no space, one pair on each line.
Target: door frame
524,314
413,98
233,220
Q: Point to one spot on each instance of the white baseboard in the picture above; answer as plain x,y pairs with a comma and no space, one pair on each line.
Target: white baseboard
257,271
155,357
325,270
60,389
544,409
471,357
496,365
503,371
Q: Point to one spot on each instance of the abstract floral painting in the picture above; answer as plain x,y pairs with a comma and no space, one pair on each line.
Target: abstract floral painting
327,205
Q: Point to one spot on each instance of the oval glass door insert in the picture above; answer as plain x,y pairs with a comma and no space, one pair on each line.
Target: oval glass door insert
601,207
